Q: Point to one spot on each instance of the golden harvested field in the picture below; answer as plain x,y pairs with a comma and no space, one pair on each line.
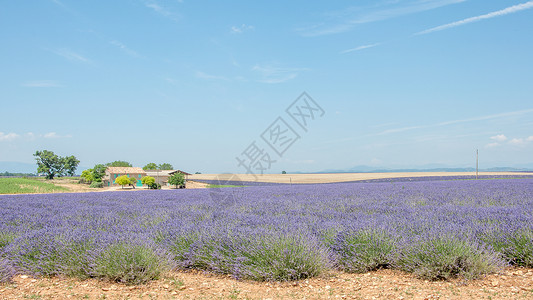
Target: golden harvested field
333,177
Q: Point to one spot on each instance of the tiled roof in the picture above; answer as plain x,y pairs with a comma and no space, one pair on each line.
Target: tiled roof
180,171
154,173
125,170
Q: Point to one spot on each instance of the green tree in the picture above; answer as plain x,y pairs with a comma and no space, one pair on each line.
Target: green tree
88,175
52,165
133,181
70,164
150,166
283,172
165,166
99,172
148,180
119,163
178,179
122,180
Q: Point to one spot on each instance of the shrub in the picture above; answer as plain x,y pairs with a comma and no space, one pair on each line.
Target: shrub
178,179
5,239
154,186
44,254
266,257
517,247
363,251
130,264
445,258
122,180
6,271
97,184
148,180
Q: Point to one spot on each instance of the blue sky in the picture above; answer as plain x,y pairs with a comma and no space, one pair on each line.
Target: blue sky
403,83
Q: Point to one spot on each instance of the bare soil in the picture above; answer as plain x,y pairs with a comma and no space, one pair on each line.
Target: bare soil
513,283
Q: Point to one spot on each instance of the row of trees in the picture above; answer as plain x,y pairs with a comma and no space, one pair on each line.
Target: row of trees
154,166
52,165
97,173
177,179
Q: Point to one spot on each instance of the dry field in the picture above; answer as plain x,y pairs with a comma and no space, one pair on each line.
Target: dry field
336,177
516,283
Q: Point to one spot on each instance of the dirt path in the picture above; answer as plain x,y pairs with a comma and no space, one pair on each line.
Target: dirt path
385,284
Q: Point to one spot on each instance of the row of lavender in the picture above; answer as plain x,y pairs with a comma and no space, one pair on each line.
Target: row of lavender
434,229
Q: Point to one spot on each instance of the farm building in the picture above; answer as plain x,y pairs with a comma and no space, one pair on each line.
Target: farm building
161,176
111,173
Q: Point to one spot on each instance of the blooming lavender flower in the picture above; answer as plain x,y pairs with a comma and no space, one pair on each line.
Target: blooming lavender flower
275,232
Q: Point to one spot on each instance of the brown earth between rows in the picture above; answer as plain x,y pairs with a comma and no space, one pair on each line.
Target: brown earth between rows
513,283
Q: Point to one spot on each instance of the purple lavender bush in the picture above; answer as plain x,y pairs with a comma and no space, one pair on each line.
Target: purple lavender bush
434,229
6,271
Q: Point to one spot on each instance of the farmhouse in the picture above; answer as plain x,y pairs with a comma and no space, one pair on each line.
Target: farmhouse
161,176
111,173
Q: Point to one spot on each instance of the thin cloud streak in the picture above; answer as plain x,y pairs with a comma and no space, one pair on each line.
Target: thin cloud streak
360,48
506,11
124,48
349,18
157,8
54,135
202,75
481,118
241,29
71,55
273,74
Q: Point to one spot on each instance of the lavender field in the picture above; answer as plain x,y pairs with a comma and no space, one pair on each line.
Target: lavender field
433,229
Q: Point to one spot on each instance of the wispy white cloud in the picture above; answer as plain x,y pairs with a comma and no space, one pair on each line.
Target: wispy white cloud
521,141
6,137
271,73
58,3
360,48
467,120
124,48
203,75
517,141
172,81
71,55
41,84
499,138
241,29
505,11
347,19
401,129
492,145
53,135
30,136
159,9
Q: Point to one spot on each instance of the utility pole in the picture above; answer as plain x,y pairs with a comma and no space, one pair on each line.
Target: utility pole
477,162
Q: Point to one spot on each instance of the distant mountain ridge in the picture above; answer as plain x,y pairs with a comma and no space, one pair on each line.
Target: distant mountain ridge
368,169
